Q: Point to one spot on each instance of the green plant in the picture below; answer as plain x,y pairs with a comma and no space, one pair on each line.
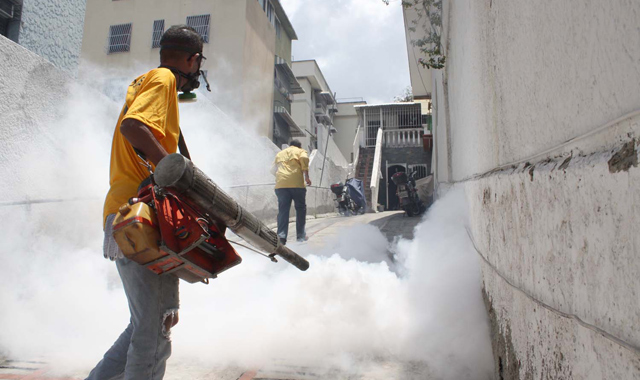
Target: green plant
429,18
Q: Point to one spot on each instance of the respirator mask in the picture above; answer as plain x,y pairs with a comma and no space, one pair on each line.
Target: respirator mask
192,79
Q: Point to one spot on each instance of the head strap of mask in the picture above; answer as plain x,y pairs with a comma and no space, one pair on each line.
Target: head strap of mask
192,81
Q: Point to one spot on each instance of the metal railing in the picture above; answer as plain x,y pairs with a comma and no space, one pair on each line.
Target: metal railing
403,138
357,143
376,173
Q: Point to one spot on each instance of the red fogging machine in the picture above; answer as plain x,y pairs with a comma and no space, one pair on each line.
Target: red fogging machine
176,224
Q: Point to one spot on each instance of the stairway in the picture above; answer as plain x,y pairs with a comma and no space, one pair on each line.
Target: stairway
363,171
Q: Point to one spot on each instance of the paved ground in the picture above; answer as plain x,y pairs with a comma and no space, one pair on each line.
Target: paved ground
392,224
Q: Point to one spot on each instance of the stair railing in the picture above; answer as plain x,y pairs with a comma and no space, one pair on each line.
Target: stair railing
376,173
357,142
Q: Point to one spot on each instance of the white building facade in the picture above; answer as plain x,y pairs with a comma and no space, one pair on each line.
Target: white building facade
314,110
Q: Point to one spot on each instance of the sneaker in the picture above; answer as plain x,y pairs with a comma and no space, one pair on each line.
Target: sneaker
302,240
283,241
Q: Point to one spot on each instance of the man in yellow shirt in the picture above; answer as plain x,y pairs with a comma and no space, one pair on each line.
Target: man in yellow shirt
149,125
292,165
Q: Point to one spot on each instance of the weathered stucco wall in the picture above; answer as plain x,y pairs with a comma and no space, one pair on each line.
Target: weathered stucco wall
53,30
550,88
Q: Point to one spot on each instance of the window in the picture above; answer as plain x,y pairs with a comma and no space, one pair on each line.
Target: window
158,30
278,28
119,38
261,2
201,25
420,169
271,14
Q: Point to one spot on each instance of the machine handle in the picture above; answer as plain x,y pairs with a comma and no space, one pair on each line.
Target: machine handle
292,257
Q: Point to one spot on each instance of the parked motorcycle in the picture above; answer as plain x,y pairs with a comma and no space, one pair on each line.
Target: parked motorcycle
407,193
349,197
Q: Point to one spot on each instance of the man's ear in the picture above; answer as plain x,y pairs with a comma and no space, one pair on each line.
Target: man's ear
193,60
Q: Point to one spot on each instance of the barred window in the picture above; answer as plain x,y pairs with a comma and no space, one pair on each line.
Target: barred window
158,30
119,38
201,25
420,169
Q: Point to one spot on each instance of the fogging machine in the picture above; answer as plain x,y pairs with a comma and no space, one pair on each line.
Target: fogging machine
176,225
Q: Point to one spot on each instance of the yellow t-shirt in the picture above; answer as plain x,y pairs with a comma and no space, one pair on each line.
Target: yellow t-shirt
152,99
291,162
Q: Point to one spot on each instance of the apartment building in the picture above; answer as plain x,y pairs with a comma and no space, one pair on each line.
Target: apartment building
245,41
314,109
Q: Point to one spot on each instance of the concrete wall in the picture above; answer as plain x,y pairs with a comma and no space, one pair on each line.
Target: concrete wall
258,70
555,220
53,30
302,111
346,123
30,88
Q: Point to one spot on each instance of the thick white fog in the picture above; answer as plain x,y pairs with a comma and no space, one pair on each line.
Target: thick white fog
63,303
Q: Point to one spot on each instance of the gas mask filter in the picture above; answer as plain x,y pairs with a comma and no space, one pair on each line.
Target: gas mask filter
192,79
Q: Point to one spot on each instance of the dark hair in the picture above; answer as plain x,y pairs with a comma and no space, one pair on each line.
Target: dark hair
180,41
296,143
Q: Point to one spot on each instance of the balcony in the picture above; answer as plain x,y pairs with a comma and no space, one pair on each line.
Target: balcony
288,76
321,112
403,138
285,116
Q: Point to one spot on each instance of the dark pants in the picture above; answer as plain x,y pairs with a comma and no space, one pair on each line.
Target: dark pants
285,196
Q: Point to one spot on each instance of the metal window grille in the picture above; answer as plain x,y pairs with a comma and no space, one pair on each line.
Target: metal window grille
201,25
158,30
420,169
119,38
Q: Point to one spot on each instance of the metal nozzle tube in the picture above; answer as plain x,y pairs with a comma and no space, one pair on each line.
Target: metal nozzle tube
178,173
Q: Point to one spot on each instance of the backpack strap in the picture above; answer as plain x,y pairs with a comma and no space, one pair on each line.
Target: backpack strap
182,145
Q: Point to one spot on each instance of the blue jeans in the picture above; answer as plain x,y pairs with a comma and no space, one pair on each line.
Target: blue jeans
285,196
142,350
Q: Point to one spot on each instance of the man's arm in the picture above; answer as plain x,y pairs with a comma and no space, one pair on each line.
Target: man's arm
141,138
304,165
306,177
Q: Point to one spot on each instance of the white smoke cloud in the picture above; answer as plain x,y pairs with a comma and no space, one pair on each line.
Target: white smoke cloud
63,302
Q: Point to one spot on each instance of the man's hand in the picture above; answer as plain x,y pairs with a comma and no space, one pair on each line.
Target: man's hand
141,138
307,179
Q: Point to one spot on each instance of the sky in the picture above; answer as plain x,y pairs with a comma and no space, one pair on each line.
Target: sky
359,45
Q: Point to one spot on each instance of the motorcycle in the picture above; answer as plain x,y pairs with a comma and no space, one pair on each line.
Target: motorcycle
407,193
349,197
